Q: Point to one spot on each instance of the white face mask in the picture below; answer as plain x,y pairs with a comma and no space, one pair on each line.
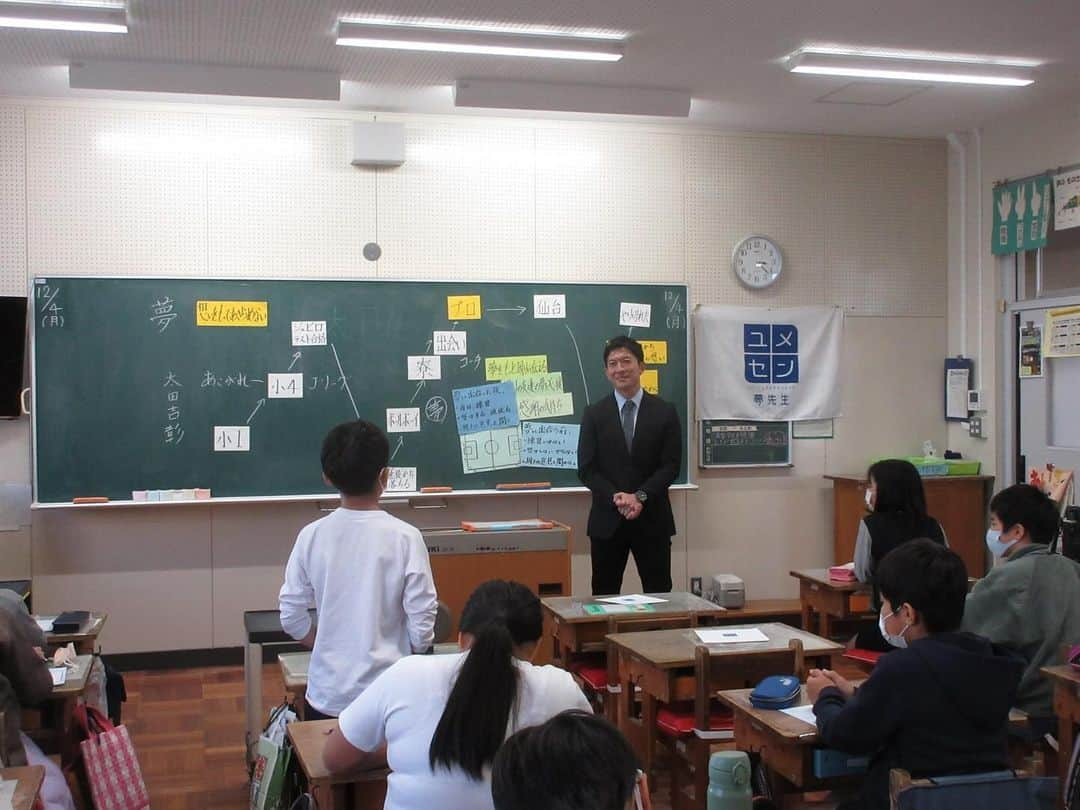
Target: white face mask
869,500
994,543
897,641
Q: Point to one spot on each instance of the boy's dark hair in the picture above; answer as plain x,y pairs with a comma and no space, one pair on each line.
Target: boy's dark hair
1030,507
353,455
930,578
499,615
899,488
624,342
574,761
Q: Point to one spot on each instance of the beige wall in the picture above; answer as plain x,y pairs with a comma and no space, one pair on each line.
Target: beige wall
114,189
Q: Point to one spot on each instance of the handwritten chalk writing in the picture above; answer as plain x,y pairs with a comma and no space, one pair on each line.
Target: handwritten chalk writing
538,384
328,381
635,314
232,313
491,450
402,420
401,479
650,380
499,368
232,438
163,313
424,367
49,308
549,444
545,407
173,430
435,410
485,407
463,307
655,352
454,343
285,386
470,361
549,306
676,313
309,333
212,379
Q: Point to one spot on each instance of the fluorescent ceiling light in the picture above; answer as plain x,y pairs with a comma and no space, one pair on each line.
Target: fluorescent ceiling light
922,56
94,17
898,67
477,40
212,80
516,95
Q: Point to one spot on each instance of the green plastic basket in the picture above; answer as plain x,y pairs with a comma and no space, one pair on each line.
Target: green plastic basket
964,467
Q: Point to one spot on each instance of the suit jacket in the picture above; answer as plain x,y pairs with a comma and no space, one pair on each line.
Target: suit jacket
606,467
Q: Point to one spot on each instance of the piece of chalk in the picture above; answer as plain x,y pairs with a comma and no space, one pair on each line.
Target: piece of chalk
436,489
202,494
532,485
138,494
94,499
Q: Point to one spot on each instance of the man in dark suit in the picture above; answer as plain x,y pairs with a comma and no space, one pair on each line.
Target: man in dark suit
629,452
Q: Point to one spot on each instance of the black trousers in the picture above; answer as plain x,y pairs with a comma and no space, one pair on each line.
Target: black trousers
652,556
311,713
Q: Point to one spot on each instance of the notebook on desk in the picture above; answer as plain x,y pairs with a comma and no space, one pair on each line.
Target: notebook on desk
71,621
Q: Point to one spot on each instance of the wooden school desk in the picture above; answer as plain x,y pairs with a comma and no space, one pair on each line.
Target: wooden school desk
294,671
661,663
574,630
1066,682
28,783
58,712
85,640
827,598
331,791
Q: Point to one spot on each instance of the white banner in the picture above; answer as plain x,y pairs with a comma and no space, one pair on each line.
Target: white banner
1067,200
768,364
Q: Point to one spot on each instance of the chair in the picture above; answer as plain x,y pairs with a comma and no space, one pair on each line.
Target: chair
444,623
689,733
1016,790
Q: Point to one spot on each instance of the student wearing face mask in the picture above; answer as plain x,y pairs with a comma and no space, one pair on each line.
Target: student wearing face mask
1031,600
897,505
940,703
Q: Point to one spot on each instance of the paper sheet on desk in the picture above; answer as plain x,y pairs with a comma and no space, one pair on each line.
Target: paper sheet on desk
804,713
730,635
632,599
7,793
59,675
45,623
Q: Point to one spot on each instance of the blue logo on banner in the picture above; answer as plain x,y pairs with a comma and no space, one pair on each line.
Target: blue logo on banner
771,353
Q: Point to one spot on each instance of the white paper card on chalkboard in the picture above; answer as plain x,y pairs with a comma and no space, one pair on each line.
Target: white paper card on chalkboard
731,635
635,314
450,343
402,420
232,438
309,333
285,386
401,479
425,367
549,306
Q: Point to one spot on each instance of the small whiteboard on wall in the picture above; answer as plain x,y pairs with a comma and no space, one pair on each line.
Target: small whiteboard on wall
744,443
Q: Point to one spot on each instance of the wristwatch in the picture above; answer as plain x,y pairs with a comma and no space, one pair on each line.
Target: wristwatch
642,496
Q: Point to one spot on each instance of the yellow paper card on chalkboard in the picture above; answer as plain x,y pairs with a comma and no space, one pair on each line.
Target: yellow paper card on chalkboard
501,368
655,351
650,380
232,313
463,308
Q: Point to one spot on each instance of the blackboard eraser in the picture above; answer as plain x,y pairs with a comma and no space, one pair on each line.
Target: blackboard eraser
436,489
530,485
91,499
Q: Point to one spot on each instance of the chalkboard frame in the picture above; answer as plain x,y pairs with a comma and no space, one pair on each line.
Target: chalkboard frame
702,424
391,498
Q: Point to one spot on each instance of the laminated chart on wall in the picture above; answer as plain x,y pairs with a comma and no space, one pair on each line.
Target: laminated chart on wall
163,385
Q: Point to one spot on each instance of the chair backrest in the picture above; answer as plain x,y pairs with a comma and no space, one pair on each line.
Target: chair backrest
718,672
1016,790
444,623
634,623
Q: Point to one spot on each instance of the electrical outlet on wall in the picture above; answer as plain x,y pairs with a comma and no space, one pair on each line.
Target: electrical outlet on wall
695,586
975,427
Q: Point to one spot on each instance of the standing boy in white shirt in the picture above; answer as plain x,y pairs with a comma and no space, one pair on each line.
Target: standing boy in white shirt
366,573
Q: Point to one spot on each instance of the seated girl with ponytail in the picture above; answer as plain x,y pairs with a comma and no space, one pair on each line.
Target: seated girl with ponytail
442,718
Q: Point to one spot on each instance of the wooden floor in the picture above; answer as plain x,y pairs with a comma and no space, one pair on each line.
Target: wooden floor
188,729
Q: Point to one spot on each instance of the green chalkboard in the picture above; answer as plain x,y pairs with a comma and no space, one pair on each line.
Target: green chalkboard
149,384
743,443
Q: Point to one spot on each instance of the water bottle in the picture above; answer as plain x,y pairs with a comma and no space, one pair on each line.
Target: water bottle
729,781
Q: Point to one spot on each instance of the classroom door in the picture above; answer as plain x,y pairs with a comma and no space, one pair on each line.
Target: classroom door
1048,406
